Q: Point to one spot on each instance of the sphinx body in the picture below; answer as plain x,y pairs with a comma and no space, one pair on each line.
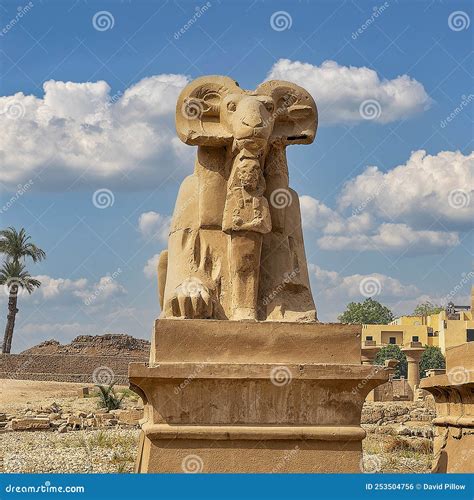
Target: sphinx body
235,248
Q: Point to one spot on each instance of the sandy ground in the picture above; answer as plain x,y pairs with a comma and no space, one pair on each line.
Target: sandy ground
18,395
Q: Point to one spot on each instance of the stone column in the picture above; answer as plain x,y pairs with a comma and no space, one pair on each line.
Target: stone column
369,351
454,424
413,353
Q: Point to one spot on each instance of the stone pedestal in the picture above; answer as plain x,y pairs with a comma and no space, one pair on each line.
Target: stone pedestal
223,396
454,422
369,351
413,353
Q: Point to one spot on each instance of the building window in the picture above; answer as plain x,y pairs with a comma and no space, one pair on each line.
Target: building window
415,338
470,335
369,337
431,334
392,340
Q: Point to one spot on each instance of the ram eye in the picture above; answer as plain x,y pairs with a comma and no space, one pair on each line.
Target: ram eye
231,106
269,106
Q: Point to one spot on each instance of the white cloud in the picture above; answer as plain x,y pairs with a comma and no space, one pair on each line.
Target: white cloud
67,290
53,287
78,132
426,190
415,208
361,232
393,237
339,90
316,215
153,224
335,286
151,266
98,293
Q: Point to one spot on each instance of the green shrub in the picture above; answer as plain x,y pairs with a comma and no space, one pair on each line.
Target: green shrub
431,358
392,351
108,398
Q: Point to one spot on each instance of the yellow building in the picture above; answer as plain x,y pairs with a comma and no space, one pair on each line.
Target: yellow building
449,328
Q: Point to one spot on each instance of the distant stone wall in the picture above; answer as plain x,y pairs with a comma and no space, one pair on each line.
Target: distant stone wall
67,368
393,390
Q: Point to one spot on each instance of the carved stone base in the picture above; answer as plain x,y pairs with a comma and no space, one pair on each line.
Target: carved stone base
253,397
454,422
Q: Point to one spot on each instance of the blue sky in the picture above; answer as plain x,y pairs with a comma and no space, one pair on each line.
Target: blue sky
387,199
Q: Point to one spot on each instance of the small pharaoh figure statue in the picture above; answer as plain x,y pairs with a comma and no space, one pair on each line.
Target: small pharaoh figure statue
246,208
246,219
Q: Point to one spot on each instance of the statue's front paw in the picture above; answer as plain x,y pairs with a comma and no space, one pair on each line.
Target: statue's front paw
191,300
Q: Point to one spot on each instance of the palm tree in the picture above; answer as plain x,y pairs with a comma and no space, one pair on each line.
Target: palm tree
16,245
13,276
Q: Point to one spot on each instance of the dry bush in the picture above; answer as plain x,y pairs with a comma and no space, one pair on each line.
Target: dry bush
398,444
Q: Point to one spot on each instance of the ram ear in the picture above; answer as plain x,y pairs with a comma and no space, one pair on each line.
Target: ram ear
296,114
198,111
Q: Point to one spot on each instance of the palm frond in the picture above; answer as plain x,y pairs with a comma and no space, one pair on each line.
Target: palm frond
16,245
13,273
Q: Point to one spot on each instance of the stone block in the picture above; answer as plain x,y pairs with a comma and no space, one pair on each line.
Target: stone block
30,424
130,417
75,422
255,342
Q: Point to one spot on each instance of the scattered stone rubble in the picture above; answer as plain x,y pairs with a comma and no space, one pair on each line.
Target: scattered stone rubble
52,418
398,412
409,419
